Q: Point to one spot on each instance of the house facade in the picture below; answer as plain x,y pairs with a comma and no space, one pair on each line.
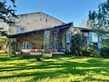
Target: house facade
44,39
41,31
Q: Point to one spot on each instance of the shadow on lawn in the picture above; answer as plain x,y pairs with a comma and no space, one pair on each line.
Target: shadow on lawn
67,67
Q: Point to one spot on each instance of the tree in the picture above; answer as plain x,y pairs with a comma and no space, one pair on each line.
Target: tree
79,41
99,20
5,13
83,22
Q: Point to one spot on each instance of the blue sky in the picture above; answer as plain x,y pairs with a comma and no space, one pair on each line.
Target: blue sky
65,10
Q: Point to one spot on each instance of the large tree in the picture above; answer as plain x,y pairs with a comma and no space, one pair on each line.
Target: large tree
6,11
99,20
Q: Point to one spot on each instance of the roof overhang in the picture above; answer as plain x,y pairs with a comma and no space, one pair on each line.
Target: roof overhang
41,30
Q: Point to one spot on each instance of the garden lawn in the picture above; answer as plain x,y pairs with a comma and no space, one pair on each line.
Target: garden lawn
60,68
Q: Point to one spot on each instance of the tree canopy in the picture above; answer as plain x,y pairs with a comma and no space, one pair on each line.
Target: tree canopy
99,20
7,11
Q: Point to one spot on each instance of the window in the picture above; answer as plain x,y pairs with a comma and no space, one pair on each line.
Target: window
21,29
40,19
18,29
94,37
46,20
25,45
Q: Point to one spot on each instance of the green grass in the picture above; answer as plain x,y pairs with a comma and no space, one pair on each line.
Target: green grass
56,69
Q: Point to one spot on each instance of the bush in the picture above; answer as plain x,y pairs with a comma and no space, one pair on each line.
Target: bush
3,43
90,51
105,48
80,47
105,52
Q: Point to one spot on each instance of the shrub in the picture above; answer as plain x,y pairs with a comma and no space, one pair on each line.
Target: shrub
105,52
105,48
90,51
78,41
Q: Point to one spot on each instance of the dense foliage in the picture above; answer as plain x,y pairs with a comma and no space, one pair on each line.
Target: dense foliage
105,48
3,43
81,46
78,41
99,20
7,11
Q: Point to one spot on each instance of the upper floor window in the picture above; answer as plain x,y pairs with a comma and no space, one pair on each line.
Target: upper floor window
46,20
40,19
21,29
93,37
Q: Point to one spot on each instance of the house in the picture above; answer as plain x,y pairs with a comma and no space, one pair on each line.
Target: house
40,31
48,38
92,37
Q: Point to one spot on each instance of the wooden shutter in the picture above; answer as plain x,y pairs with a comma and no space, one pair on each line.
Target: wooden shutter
70,41
30,45
99,39
99,45
65,43
18,30
90,36
20,45
25,29
59,46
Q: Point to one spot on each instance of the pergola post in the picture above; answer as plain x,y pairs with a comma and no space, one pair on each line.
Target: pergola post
11,46
47,41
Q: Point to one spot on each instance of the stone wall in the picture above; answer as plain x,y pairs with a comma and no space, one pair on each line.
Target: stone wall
4,26
47,41
37,40
34,21
69,30
11,46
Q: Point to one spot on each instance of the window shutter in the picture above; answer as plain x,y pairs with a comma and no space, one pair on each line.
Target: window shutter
99,39
18,30
65,43
59,46
20,45
25,29
71,41
90,36
99,45
30,45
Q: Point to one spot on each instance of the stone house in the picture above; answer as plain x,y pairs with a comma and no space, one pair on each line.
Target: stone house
40,31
